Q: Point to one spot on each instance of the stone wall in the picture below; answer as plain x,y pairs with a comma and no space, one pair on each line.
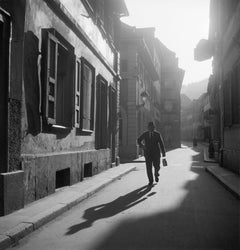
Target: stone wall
40,170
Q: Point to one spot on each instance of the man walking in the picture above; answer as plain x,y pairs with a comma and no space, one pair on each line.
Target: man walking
152,144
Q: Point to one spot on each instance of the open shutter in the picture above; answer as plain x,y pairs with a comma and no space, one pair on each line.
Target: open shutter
77,93
51,81
92,100
87,85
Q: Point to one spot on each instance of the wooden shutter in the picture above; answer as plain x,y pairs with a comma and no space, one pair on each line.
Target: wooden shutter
77,93
51,79
101,128
86,93
92,100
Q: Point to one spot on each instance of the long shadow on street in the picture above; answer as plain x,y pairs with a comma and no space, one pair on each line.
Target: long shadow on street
110,209
206,218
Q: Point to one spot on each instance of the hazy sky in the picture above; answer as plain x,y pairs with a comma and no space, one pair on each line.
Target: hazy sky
179,24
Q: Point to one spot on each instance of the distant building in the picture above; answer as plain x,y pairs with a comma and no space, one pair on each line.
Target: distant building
223,44
59,98
171,83
140,86
150,70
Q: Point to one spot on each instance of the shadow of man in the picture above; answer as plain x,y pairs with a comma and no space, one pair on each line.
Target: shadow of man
112,208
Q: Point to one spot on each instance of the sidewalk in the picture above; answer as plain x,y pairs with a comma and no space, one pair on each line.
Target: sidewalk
230,180
17,225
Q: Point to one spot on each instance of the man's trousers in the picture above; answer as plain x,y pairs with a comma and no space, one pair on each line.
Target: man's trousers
155,162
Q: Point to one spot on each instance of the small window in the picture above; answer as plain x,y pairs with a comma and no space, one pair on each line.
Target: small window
87,95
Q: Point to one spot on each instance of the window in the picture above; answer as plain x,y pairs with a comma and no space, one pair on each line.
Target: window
102,113
87,95
59,79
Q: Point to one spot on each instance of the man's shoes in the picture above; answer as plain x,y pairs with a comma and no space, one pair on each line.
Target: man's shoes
150,183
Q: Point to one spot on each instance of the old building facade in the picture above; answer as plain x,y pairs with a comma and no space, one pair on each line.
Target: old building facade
60,78
150,89
171,83
140,78
224,45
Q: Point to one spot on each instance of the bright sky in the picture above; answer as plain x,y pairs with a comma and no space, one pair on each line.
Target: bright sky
179,24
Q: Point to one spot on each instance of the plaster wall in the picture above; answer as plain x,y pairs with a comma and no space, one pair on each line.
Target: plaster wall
43,153
40,15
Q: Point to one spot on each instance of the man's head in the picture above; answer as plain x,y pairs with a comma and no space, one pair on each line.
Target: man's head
151,126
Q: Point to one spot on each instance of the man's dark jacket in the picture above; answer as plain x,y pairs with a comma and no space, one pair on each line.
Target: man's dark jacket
152,146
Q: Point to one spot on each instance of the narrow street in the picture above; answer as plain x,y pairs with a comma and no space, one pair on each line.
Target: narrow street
187,209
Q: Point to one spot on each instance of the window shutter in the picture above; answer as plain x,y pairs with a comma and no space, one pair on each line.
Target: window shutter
77,93
87,85
51,81
92,100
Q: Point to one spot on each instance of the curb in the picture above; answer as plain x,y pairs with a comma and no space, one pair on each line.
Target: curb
222,180
11,237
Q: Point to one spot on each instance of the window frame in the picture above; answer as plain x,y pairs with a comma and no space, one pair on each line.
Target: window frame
84,63
50,95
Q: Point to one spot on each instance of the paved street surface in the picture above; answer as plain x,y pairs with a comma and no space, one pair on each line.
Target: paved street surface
187,209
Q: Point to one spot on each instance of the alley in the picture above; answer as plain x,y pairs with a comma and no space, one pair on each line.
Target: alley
187,209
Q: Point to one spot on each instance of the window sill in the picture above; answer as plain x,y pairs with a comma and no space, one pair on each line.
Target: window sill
80,131
59,128
56,129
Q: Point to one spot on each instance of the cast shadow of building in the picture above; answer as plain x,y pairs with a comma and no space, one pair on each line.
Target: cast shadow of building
201,221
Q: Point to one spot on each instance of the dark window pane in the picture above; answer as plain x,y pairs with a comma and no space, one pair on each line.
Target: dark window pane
51,109
51,89
52,58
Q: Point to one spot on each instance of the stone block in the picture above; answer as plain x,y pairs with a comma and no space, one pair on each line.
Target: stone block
14,134
42,176
51,174
12,192
5,242
20,231
29,180
75,174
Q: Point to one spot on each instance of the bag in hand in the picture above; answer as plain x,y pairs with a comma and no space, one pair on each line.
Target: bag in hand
164,162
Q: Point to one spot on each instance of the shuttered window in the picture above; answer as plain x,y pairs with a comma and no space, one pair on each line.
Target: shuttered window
51,88
87,95
77,93
59,81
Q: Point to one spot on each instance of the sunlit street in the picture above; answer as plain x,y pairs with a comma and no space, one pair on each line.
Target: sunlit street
187,209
